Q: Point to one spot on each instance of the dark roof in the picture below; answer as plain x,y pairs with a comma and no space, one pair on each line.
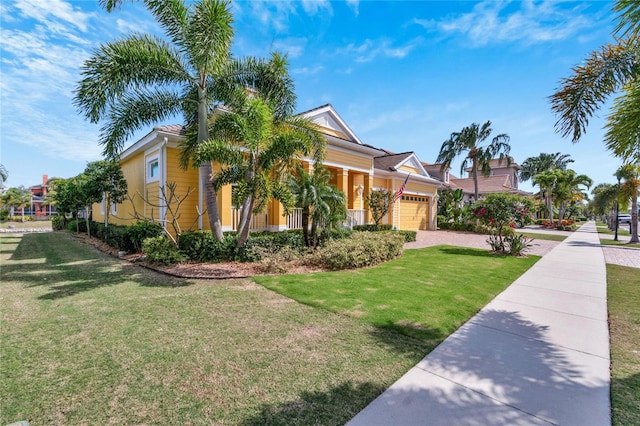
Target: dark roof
388,162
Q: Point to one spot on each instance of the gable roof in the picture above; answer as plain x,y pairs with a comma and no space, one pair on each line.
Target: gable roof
487,185
327,118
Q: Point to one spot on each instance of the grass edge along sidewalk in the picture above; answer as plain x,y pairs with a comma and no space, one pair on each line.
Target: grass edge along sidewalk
87,338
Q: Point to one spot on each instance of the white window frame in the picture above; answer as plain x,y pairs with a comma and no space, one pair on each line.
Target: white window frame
150,161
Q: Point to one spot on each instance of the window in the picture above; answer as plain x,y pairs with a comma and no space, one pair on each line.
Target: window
153,170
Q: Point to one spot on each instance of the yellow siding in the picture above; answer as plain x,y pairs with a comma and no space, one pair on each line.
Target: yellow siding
152,195
380,183
409,169
349,160
332,132
185,180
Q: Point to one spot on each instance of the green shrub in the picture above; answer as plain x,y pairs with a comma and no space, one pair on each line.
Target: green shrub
409,236
271,241
4,215
276,262
518,244
162,251
79,225
362,249
201,246
372,228
135,234
58,222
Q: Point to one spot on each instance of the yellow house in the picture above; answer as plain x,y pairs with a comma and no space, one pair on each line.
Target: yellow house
151,165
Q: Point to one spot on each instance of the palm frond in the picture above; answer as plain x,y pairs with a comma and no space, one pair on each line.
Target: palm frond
622,135
133,111
209,35
117,67
582,94
172,15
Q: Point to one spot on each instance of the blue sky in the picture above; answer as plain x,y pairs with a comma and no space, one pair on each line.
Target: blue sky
403,75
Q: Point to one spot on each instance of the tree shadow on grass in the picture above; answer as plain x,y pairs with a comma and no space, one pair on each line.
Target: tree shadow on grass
624,399
499,368
333,407
67,267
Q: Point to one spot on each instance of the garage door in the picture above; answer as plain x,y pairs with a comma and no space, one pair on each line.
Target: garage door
413,212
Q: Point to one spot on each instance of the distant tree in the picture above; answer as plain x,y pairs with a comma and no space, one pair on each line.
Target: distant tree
70,197
547,182
379,204
3,174
629,189
467,142
104,181
604,198
451,204
543,162
612,69
568,189
16,198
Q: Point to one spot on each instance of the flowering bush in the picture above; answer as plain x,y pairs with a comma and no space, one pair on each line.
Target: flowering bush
501,213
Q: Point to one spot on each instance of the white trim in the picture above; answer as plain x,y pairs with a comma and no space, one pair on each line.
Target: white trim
149,161
331,112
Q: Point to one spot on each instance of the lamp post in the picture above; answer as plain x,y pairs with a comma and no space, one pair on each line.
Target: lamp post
615,238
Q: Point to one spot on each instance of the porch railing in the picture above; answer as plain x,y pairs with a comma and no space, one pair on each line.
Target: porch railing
355,217
259,221
294,220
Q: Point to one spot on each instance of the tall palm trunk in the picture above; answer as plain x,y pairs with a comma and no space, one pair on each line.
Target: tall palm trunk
474,172
206,169
245,221
634,219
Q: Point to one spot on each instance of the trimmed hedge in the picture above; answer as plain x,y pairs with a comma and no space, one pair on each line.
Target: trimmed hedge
361,250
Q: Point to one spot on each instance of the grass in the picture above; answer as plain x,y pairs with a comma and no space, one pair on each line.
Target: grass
623,295
538,236
88,339
30,224
623,232
418,294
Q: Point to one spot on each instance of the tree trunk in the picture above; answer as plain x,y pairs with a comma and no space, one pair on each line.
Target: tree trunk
305,225
245,221
634,220
206,169
474,171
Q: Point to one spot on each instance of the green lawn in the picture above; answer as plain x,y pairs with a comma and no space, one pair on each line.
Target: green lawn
88,339
623,295
427,293
30,224
538,236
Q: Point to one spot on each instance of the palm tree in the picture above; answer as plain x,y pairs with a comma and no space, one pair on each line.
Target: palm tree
142,79
543,162
604,198
321,203
612,69
629,190
568,189
17,198
256,151
547,181
468,141
3,174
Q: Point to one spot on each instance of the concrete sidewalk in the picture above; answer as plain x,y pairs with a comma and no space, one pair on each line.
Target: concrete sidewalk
537,354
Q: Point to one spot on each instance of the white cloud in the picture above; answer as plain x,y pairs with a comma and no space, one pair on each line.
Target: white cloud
355,6
369,49
46,10
307,71
312,7
531,23
294,47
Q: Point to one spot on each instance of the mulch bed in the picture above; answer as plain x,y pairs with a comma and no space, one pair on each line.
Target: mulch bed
199,270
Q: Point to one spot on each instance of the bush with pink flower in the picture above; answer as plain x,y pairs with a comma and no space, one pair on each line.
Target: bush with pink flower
501,212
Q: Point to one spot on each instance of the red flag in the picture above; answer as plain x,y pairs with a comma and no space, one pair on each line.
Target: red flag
400,191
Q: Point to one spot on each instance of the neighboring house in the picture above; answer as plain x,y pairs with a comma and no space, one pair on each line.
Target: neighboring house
503,178
38,206
356,168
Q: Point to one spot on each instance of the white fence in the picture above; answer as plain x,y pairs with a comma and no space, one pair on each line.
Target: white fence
294,220
355,217
259,221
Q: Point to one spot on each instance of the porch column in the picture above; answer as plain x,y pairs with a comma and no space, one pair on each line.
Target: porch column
342,182
277,222
368,184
